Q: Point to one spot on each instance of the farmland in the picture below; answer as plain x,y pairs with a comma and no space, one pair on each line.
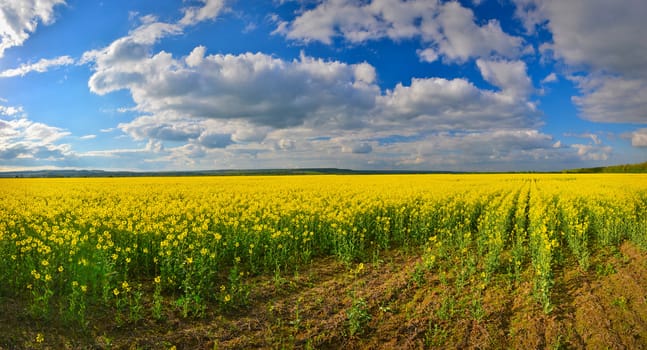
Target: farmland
488,261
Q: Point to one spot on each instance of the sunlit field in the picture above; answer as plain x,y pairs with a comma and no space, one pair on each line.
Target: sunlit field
138,251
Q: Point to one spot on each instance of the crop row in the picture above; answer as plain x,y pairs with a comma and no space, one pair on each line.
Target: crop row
141,246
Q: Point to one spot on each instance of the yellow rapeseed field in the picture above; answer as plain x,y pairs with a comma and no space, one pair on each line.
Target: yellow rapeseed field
193,242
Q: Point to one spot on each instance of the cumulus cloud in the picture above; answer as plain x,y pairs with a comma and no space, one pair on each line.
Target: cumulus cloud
228,101
126,50
588,32
255,87
40,132
448,27
151,127
612,99
21,138
606,41
495,150
510,76
587,135
215,140
639,138
357,148
463,38
427,104
592,152
242,131
43,65
550,78
499,144
137,44
19,19
10,110
441,104
527,11
595,150
356,21
209,133
209,10
243,108
23,151
27,143
427,55
286,144
196,56
135,154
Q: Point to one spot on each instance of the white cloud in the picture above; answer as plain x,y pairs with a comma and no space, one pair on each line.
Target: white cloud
595,150
592,152
239,110
131,48
357,148
528,13
255,87
151,127
603,35
550,78
358,21
43,65
207,132
510,76
135,154
496,150
155,146
39,132
364,73
323,22
245,132
10,110
27,143
252,104
448,27
21,138
441,104
606,41
215,140
19,19
587,135
427,55
137,44
286,144
612,99
464,39
639,138
209,11
88,137
196,56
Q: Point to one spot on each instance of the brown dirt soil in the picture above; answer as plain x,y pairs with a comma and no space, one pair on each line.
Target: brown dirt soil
603,307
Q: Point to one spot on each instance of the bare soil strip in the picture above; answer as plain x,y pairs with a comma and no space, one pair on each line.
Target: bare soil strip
604,307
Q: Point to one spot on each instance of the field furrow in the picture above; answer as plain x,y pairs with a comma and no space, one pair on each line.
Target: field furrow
388,261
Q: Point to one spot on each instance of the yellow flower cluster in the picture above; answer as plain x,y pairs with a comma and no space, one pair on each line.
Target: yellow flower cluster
196,234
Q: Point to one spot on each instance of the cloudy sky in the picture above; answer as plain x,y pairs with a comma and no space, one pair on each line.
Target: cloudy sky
364,84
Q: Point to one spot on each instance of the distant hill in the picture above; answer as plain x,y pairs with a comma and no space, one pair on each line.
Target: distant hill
625,168
101,173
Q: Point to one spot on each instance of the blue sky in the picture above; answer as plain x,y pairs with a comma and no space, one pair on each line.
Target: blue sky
487,85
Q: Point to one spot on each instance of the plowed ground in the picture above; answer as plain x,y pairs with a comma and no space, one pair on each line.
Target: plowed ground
405,308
